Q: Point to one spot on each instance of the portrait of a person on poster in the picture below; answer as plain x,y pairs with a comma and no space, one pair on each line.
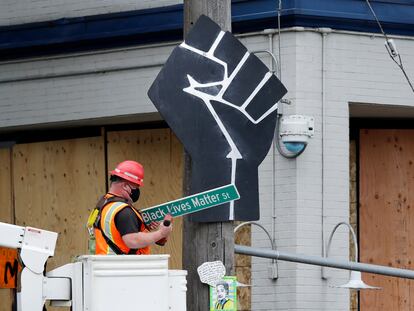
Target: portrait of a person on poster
224,295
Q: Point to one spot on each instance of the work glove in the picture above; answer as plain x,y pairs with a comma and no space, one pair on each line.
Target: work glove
221,102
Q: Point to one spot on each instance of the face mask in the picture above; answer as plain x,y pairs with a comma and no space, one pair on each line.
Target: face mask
134,194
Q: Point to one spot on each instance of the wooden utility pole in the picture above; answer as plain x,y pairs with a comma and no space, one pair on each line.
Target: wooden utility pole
205,241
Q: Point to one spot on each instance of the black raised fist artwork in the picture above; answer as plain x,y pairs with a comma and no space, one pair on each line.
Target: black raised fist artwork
221,102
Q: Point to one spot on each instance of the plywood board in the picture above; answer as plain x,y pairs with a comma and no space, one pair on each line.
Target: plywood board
353,213
161,154
56,185
243,264
386,215
5,186
6,215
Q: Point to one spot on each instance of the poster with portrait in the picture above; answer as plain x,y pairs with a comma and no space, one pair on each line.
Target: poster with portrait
223,296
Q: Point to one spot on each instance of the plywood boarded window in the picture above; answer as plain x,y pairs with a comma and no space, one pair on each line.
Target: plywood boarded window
386,215
53,185
353,216
6,214
56,184
243,268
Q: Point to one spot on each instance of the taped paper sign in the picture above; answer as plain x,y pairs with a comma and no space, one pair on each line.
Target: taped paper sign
191,204
211,272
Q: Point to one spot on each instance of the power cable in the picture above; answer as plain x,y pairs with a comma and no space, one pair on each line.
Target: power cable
391,48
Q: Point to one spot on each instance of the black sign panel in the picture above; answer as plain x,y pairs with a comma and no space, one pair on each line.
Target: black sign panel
221,102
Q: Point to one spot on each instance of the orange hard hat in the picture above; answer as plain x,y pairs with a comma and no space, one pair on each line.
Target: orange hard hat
131,171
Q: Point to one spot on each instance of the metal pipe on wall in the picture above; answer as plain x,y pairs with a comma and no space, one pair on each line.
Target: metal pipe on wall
324,34
324,262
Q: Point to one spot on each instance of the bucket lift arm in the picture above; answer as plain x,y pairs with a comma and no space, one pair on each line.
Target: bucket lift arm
35,246
91,283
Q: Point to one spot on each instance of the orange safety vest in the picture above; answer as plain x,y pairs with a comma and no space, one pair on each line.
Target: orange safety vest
107,227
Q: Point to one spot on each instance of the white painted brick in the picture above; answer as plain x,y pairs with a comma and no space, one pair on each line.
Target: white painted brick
348,79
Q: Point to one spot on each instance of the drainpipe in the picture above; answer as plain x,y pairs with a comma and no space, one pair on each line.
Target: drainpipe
270,35
324,33
277,71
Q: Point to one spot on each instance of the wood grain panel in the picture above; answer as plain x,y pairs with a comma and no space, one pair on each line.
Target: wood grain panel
243,264
387,215
353,213
160,152
56,185
6,215
5,187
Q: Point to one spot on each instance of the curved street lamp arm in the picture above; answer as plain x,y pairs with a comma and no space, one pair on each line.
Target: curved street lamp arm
353,236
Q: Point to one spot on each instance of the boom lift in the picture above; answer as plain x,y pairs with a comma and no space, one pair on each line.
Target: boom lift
91,283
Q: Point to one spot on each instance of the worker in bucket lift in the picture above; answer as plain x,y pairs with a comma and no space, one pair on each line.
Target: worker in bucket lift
119,227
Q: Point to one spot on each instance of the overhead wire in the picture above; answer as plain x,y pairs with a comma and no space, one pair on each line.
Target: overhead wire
390,48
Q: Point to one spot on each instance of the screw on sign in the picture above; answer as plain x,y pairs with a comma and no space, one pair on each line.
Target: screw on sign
9,268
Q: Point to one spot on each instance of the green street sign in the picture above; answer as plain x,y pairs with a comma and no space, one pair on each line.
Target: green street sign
191,204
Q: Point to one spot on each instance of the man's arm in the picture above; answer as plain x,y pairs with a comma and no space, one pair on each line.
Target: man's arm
129,226
143,239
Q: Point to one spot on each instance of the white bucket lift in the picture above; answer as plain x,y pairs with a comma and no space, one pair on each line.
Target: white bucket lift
92,283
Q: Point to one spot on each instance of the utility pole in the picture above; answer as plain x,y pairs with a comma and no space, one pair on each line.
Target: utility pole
204,241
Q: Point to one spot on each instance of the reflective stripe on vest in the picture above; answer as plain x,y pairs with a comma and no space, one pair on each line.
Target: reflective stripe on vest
108,227
110,218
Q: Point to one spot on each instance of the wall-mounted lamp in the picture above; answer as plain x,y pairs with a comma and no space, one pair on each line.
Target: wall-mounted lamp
273,269
355,280
274,62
